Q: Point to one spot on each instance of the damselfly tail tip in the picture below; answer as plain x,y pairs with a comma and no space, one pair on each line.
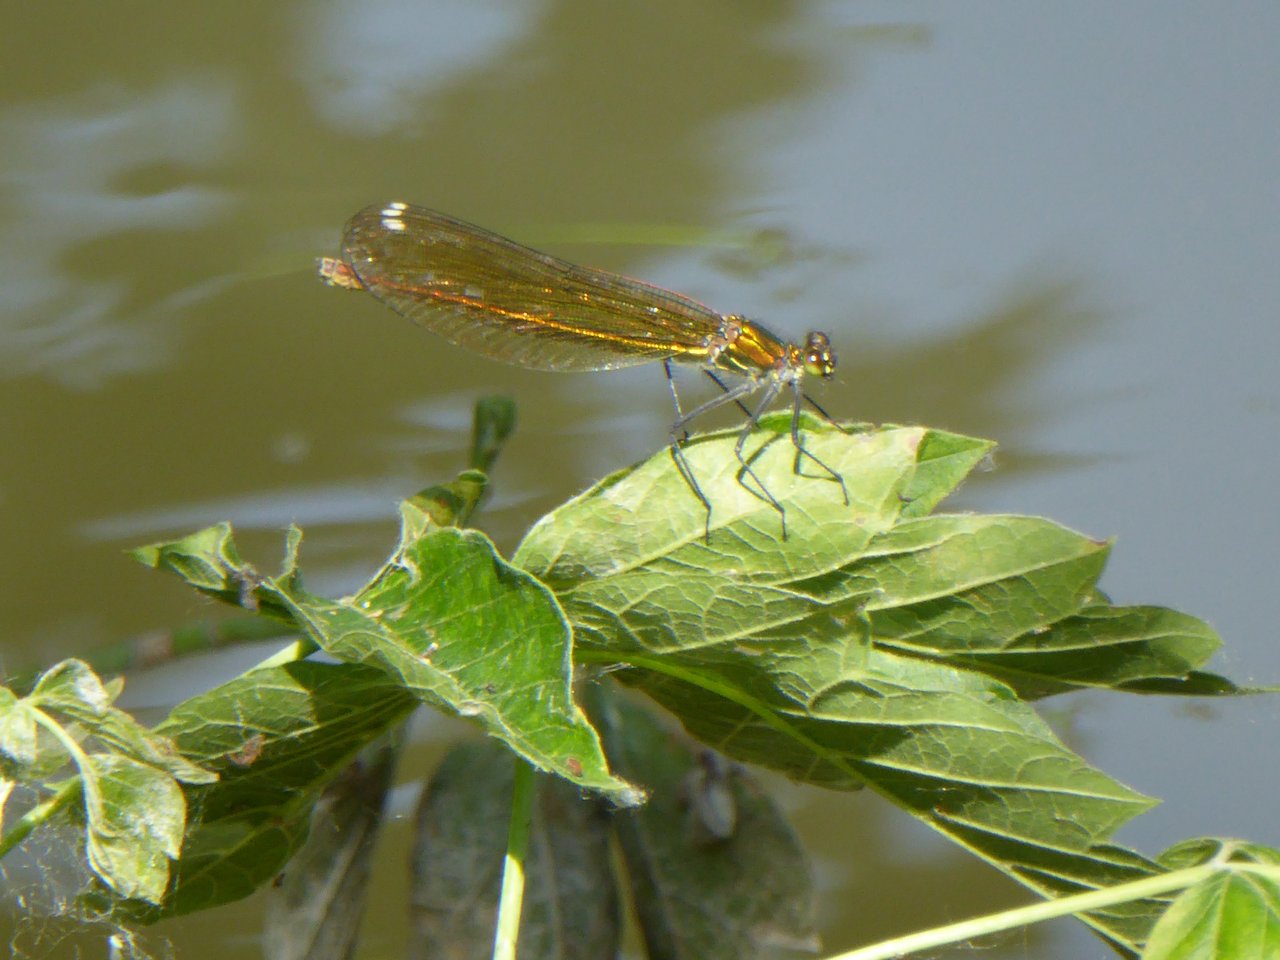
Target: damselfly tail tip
337,273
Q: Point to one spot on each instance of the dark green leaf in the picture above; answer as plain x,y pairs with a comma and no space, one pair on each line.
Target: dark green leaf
1014,597
314,912
276,736
713,866
570,909
493,423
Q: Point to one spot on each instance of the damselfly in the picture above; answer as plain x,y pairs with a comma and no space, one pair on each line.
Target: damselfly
503,300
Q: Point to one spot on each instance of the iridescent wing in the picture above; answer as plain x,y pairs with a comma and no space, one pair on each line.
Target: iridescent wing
488,294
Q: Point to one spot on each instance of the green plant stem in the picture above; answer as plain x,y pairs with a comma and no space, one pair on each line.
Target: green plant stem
511,900
1064,906
299,649
39,814
73,787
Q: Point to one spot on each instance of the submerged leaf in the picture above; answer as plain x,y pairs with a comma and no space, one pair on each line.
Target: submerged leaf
314,911
713,866
571,896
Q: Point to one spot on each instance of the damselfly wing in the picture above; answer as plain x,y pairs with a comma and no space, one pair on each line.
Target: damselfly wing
508,302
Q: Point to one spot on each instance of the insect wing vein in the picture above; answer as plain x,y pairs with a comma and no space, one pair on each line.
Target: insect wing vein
510,303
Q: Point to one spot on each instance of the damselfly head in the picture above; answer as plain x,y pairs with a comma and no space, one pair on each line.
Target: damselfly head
819,358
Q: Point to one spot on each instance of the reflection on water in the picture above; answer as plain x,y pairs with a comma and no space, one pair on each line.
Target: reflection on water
367,67
64,309
360,500
991,371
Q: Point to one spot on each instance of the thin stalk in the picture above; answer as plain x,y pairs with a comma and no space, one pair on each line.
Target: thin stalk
511,900
40,814
1009,919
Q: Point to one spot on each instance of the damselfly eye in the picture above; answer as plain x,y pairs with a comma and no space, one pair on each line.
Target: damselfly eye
819,358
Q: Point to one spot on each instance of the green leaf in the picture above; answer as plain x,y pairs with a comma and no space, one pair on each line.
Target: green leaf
73,686
450,504
128,738
1201,850
17,730
136,815
229,858
1233,915
875,645
447,619
647,518
72,690
276,736
943,460
464,630
133,808
209,561
1014,597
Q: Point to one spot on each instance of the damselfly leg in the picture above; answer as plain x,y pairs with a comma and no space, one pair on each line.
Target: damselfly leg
736,394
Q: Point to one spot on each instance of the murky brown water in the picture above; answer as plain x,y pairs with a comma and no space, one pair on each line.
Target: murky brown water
1057,228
